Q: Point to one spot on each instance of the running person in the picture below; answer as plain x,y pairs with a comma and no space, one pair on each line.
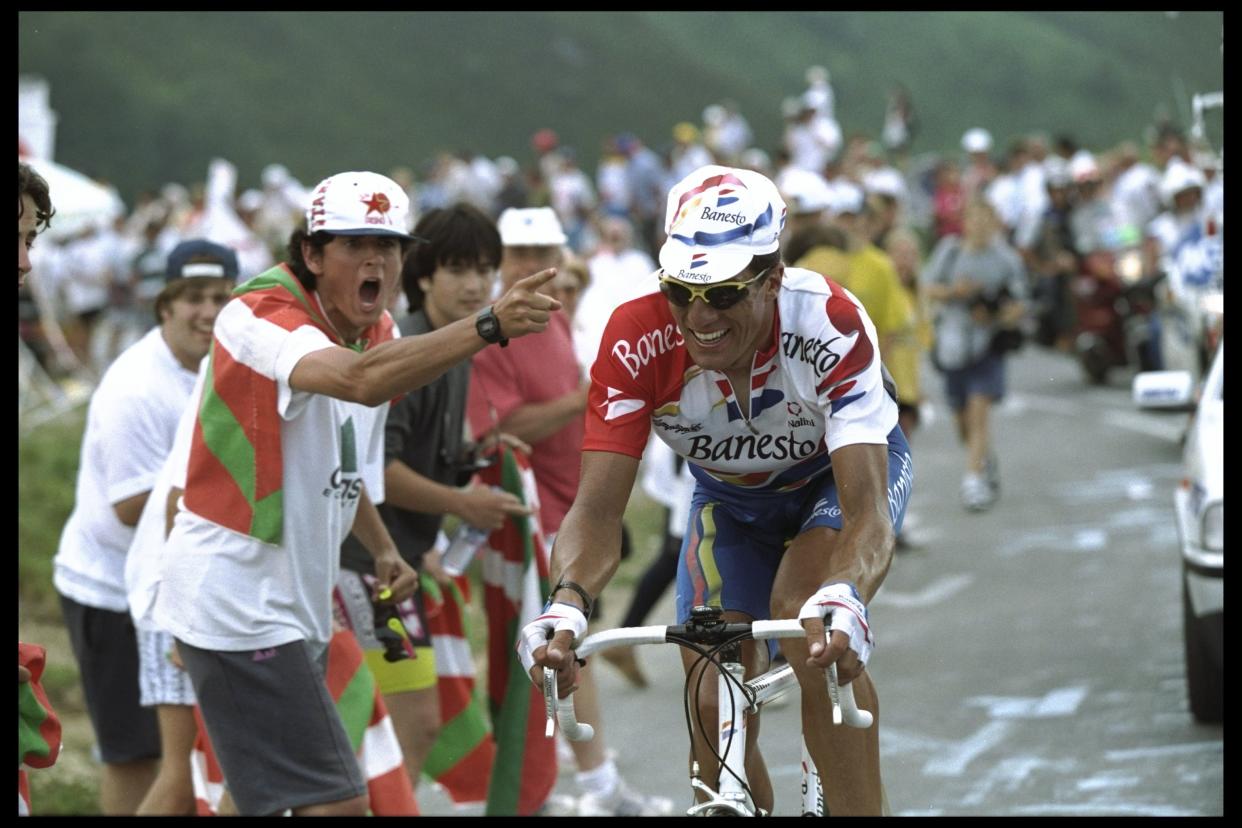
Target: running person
768,381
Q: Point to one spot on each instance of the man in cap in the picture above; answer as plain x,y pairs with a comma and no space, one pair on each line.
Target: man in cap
130,425
979,170
286,451
768,381
534,390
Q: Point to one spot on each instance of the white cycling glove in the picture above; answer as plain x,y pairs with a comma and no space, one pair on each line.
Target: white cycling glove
849,615
553,619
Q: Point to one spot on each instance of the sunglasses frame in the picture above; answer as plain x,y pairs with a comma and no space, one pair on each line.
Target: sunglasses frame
697,292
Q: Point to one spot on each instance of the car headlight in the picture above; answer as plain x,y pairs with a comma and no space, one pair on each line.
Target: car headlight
1212,527
1129,266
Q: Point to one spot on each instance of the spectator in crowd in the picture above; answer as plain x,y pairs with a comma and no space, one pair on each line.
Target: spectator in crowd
1094,221
808,199
812,138
619,272
948,201
193,266
1005,190
1047,248
726,132
612,180
819,92
1181,191
512,192
646,175
306,351
978,285
428,464
573,199
34,214
688,152
886,199
903,247
535,391
900,121
129,432
979,169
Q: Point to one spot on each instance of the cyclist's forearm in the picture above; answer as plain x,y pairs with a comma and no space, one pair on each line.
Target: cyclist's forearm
863,554
587,552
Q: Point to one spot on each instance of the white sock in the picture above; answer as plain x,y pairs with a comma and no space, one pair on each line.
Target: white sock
601,781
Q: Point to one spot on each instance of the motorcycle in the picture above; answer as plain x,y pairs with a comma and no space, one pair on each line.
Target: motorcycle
1113,302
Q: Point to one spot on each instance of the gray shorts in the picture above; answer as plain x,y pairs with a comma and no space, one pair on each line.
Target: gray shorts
106,649
161,681
987,379
274,727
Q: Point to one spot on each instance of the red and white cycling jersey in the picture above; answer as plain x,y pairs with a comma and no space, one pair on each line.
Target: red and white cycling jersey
815,386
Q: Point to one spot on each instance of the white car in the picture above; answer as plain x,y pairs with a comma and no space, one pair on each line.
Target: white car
1200,506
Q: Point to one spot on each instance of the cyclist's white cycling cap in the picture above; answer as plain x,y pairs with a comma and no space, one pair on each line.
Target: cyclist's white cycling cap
359,204
717,219
530,227
977,140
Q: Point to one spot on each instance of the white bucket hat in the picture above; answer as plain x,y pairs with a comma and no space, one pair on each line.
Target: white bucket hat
717,220
531,227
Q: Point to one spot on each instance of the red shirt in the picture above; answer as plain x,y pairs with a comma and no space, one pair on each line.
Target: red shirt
535,368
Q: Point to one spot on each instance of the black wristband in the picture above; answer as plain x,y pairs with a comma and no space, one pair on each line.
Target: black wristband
582,593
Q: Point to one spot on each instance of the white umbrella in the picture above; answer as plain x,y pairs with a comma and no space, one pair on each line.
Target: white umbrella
79,201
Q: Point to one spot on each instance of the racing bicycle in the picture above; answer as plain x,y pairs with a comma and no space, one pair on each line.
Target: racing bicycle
720,644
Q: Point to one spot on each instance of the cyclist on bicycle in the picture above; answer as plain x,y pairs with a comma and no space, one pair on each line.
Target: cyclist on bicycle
768,380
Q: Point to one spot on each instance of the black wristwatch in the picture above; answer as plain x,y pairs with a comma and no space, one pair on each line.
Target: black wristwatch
488,327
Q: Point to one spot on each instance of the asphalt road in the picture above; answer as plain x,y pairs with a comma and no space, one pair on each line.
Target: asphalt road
1029,659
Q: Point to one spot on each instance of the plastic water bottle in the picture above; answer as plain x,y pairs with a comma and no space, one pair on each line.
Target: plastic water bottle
466,543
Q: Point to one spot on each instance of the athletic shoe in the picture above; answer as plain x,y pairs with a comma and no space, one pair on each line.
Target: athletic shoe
624,802
624,660
977,495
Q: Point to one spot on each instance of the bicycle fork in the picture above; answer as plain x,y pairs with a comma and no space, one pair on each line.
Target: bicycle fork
732,794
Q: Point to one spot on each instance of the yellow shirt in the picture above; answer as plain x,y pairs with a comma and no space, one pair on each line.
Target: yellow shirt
868,273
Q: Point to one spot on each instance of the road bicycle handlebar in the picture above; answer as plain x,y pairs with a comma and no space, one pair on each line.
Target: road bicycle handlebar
844,708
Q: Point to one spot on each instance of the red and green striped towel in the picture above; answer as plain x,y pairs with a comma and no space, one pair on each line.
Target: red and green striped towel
236,466
38,729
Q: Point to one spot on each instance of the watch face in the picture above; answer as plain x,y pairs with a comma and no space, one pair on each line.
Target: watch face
487,325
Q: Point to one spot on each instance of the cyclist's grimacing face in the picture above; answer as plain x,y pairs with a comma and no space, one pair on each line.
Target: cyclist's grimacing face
727,340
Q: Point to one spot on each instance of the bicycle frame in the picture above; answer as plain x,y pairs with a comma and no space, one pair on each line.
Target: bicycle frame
736,700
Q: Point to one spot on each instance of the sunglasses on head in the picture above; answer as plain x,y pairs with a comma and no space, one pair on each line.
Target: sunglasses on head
721,296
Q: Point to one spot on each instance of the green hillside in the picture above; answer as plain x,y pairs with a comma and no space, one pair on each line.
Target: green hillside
147,97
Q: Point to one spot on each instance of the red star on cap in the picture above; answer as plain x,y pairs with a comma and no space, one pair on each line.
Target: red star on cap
377,203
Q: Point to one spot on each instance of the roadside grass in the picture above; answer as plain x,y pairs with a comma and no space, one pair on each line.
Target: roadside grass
48,463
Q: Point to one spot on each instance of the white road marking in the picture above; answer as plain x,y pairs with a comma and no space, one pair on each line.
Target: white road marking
1148,424
1164,750
1010,773
1102,809
1063,701
1090,540
961,754
934,593
1105,781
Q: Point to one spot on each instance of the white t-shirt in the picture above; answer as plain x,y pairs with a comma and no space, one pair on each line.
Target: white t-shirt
144,563
222,590
129,431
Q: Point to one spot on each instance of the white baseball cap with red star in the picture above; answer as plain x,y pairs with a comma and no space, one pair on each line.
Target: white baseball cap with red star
359,204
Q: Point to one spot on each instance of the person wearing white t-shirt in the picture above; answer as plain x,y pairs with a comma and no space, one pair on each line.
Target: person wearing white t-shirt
281,467
129,431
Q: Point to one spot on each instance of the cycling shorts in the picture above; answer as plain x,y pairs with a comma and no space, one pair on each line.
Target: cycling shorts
352,604
735,541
